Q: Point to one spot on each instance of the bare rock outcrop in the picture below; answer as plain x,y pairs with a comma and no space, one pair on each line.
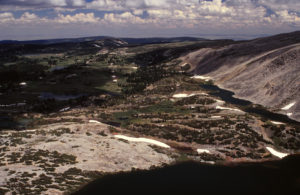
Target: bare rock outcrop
265,71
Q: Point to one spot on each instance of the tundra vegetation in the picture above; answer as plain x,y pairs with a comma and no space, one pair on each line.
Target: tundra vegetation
49,146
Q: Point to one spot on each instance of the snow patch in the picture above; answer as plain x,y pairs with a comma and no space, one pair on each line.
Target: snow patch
287,107
201,77
225,108
23,84
289,114
184,95
94,121
150,141
64,109
277,123
115,80
201,151
97,45
276,153
216,117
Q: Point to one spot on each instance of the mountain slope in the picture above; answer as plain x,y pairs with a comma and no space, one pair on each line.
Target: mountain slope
265,71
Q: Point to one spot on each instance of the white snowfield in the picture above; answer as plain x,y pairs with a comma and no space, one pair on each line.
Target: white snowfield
94,121
200,151
115,80
287,107
23,84
277,123
97,45
65,109
276,153
201,77
150,141
184,95
289,114
216,117
225,108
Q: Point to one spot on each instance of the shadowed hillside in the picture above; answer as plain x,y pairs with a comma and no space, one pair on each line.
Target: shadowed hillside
190,177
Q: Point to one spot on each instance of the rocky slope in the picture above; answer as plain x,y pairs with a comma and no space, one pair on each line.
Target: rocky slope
265,71
58,158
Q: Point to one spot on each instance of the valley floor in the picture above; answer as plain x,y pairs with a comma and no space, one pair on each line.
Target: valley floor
106,116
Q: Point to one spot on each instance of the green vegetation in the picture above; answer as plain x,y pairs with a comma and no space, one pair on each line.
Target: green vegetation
135,116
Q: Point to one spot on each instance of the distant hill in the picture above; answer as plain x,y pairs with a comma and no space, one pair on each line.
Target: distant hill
265,70
54,41
160,40
97,38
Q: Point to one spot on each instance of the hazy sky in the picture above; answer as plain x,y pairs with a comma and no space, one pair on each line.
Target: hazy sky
38,19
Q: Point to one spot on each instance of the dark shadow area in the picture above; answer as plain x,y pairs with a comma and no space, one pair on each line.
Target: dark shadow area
274,177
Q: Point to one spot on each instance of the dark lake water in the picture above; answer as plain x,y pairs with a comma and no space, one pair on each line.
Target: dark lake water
7,122
247,106
58,68
47,95
276,177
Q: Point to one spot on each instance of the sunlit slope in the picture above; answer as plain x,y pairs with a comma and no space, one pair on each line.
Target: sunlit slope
264,71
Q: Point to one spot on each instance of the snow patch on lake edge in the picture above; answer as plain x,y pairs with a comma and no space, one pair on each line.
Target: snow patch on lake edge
201,77
94,121
185,95
277,123
287,107
225,108
276,153
150,141
182,95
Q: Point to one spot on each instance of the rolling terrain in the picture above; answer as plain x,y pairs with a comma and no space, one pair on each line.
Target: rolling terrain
74,112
